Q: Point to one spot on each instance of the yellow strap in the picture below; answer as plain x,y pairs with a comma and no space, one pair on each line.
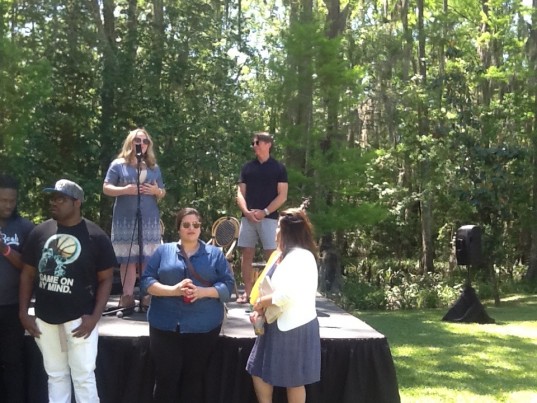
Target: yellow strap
255,290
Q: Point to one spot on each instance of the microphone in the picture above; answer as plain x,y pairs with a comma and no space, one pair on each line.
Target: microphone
138,152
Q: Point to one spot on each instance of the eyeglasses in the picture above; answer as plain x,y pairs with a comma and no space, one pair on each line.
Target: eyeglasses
138,140
255,143
187,225
60,199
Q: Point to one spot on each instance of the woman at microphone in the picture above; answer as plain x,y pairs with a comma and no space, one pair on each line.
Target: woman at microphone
136,157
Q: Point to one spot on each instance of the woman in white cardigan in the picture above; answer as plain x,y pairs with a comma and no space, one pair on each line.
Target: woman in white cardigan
288,354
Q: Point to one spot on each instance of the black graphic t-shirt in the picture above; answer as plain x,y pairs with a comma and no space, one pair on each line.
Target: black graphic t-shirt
67,260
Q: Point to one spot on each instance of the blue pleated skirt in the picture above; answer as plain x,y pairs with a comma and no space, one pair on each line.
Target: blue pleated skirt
287,359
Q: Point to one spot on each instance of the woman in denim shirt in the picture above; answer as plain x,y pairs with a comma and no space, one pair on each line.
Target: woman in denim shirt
186,311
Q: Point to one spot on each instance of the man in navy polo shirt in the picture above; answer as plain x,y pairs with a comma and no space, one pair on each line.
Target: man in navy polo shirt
261,191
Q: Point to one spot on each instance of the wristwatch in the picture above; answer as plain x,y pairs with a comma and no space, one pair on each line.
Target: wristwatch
267,213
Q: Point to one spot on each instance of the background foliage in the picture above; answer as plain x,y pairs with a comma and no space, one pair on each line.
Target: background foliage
402,120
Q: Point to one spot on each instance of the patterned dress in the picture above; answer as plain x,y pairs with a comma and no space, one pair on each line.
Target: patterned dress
124,226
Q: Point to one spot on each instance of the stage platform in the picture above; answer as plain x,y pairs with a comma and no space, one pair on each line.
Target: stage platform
356,365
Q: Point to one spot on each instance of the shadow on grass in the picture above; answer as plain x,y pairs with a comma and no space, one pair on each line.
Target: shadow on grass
479,359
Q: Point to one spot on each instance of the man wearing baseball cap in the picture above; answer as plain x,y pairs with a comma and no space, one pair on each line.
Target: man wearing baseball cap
69,261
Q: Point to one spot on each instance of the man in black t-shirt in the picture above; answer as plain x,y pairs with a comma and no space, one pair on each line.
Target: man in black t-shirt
68,260
262,190
14,231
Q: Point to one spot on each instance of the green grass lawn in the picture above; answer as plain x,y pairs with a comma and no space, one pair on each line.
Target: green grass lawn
450,362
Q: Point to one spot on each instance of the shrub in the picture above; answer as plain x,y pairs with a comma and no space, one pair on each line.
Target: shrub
428,298
357,295
396,285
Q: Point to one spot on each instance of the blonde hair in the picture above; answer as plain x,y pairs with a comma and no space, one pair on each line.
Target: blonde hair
128,151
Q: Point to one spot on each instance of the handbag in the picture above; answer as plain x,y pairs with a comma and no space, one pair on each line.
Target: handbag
272,312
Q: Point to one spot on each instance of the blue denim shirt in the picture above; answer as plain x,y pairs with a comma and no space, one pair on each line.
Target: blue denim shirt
168,267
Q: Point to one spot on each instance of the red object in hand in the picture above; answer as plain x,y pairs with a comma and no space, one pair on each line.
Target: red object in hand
187,299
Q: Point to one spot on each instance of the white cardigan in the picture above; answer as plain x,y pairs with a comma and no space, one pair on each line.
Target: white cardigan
295,287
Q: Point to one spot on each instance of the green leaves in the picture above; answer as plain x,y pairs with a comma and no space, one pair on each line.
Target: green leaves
340,90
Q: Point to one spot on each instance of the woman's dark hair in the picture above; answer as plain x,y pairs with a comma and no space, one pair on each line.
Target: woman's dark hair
184,212
296,231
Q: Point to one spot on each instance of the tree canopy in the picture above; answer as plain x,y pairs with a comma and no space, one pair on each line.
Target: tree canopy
402,120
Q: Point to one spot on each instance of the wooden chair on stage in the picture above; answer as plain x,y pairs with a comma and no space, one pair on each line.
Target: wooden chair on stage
225,234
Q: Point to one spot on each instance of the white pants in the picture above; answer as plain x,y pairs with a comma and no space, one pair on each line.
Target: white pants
66,357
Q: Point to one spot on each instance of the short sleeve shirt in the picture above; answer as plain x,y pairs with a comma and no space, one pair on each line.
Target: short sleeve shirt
13,234
67,260
261,180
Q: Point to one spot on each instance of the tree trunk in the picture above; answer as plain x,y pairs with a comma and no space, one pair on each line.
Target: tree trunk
423,129
331,268
531,274
297,116
157,54
107,35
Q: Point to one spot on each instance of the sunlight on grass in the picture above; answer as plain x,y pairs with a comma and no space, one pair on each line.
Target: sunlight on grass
524,329
518,331
452,362
443,395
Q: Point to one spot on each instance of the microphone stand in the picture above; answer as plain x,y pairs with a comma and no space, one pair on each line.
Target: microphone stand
139,220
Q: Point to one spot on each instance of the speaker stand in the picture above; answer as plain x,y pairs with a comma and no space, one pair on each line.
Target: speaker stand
468,308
